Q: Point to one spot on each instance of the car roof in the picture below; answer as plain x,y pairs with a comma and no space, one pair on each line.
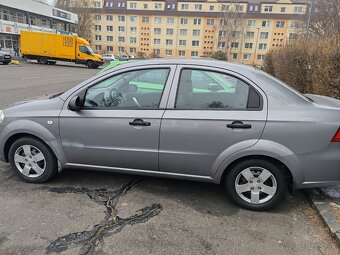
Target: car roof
199,62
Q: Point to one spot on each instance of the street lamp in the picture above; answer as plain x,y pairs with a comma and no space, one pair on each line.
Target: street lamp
257,40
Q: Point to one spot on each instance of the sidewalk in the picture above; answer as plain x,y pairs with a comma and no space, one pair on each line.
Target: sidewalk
327,202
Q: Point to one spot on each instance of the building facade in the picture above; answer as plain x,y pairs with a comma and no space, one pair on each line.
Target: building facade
17,15
244,29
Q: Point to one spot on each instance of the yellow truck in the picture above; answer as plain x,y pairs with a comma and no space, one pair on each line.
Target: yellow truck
47,48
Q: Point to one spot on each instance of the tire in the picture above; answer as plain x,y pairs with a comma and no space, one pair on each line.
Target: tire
254,191
43,60
32,160
90,64
5,63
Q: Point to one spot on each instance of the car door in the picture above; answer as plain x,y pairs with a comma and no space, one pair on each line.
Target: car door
211,114
119,123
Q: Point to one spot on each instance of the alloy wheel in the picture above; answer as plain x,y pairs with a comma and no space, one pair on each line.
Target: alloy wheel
30,161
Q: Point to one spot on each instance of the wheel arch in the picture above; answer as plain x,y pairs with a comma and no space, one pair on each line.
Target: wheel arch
283,167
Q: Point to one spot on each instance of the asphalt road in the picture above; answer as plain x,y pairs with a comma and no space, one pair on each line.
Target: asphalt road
152,215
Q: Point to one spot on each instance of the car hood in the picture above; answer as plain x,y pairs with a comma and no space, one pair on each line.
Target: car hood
39,98
324,100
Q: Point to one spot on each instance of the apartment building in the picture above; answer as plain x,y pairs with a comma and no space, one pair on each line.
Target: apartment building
244,29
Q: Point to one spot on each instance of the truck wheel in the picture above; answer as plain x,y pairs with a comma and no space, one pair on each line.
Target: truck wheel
43,60
90,64
5,63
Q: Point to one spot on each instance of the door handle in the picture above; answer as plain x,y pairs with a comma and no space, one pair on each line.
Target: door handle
238,124
140,122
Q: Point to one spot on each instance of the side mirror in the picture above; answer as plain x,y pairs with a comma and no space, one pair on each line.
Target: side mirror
75,104
214,87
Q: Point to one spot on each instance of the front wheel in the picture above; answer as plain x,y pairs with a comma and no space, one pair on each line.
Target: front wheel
32,160
256,184
90,64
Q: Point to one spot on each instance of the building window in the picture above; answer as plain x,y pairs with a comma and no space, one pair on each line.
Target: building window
233,55
221,44
265,23
197,21
183,32
158,20
169,31
298,9
234,45
248,45
251,23
98,37
98,28
145,6
145,19
133,40
133,18
198,7
196,32
268,8
169,42
184,6
182,42
264,35
280,23
262,46
225,7
121,49
97,4
181,53
239,8
133,5
283,9
109,17
251,8
222,33
121,29
210,22
98,17
98,47
168,52
170,20
194,53
195,43
121,39
109,48
158,6
260,57
109,38
184,21
250,35
157,31
157,41
133,50
109,28
246,56
121,18
211,7
133,29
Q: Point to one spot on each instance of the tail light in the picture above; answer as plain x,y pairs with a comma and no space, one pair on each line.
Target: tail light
336,138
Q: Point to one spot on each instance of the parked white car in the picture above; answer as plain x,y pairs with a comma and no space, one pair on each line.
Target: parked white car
108,57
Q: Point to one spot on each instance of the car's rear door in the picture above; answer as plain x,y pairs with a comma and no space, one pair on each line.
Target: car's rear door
211,114
119,125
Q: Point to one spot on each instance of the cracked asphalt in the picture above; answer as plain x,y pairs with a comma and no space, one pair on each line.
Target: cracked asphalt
84,212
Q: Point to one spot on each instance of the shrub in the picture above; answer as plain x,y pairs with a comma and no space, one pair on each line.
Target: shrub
311,66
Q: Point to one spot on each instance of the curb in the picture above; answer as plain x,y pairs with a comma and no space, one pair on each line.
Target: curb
326,209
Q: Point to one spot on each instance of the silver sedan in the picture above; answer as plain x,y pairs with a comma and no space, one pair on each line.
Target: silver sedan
194,119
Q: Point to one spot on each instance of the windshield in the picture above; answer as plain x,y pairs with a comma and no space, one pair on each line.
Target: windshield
89,49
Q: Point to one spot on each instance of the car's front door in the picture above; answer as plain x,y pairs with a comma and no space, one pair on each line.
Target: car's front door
118,126
211,113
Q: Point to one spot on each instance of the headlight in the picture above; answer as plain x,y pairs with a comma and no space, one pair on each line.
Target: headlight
2,116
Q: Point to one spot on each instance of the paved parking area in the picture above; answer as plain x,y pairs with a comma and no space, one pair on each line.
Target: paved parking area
69,215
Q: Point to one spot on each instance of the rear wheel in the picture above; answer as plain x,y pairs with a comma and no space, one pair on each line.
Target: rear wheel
43,60
32,160
256,184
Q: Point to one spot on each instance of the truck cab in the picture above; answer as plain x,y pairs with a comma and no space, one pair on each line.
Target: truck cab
86,56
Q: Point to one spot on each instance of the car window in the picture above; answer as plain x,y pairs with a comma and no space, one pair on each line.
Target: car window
135,89
201,89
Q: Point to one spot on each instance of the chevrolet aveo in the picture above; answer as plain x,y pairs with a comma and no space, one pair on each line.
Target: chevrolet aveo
196,119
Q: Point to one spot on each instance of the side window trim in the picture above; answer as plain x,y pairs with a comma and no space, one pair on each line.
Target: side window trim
174,93
165,93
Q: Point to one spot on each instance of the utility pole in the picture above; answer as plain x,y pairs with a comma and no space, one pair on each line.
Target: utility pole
256,44
309,18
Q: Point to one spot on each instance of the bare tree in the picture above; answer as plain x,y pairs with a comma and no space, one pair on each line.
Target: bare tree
83,8
231,26
324,19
